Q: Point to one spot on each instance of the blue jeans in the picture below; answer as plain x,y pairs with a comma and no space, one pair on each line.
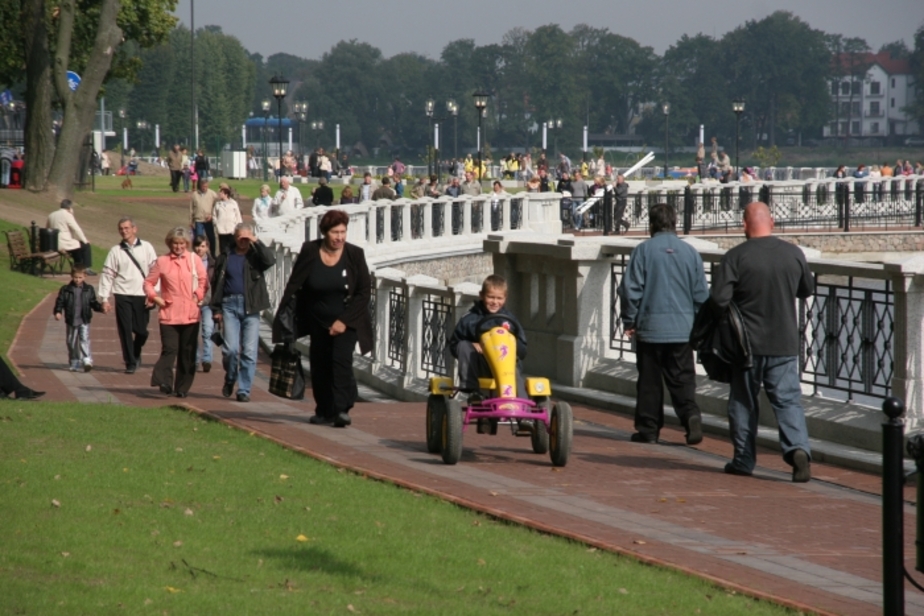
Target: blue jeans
576,218
207,327
780,379
242,335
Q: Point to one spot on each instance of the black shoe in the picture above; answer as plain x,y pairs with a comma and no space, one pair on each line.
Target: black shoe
801,467
320,420
694,430
181,394
130,369
342,420
243,398
29,394
227,389
206,366
638,437
165,389
475,398
734,470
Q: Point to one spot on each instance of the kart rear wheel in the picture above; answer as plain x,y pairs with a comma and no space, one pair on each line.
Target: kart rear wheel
561,433
451,433
436,406
540,435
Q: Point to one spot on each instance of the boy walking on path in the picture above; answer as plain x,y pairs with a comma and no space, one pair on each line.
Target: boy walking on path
77,301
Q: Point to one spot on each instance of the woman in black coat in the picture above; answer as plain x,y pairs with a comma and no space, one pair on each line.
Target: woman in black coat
327,298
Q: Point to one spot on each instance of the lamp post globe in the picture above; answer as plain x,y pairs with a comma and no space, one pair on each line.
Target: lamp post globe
738,108
453,108
480,99
666,109
280,86
429,110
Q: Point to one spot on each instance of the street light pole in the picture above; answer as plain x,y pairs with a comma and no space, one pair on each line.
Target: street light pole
301,112
142,125
738,108
429,108
265,105
279,84
666,108
122,139
481,103
454,110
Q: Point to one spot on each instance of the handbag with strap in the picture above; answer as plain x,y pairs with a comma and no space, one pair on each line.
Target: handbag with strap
144,274
287,378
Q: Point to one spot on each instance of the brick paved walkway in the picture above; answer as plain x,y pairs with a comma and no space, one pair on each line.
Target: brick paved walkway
813,545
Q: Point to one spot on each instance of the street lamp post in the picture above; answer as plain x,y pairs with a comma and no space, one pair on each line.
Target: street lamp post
738,108
454,110
317,126
554,126
481,103
142,126
265,106
301,112
122,138
429,109
279,84
666,108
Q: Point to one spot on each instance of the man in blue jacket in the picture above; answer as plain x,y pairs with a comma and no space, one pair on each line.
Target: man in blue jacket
660,293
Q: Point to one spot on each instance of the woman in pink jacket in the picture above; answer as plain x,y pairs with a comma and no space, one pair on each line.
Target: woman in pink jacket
183,283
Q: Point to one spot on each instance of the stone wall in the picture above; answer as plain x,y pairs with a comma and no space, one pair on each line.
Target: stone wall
841,243
452,270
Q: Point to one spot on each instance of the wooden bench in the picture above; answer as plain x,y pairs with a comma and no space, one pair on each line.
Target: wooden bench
22,258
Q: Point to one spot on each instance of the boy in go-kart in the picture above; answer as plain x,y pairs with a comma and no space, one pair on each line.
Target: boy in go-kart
465,347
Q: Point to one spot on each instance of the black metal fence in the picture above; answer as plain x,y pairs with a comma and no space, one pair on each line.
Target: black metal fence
397,327
438,323
846,332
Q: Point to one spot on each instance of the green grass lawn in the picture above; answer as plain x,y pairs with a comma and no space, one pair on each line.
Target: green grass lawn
108,509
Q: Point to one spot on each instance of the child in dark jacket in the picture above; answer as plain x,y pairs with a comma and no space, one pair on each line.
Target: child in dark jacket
465,343
77,301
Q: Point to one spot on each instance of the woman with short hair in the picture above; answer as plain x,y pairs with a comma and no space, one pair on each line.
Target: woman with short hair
327,298
183,282
263,205
226,215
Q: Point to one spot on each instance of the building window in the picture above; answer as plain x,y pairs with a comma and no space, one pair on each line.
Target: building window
893,82
833,88
843,128
855,128
845,88
874,128
874,108
874,87
893,104
856,87
855,108
845,108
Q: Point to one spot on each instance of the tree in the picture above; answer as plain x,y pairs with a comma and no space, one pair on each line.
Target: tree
916,108
84,36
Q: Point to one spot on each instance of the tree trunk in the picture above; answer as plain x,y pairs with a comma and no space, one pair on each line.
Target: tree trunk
79,106
38,131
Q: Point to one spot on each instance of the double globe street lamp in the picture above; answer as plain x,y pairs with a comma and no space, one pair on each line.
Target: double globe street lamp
453,108
481,103
280,85
265,106
429,109
666,108
301,113
738,108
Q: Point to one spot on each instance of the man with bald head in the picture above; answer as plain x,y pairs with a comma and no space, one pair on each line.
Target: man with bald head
763,277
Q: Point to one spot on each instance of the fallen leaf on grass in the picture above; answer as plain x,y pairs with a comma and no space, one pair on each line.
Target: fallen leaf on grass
481,562
460,588
283,477
177,544
278,499
148,601
179,449
379,524
65,554
89,448
302,538
623,591
216,457
55,502
639,542
350,608
476,523
57,477
591,550
188,511
116,512
172,590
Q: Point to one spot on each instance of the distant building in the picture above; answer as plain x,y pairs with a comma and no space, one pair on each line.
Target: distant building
872,107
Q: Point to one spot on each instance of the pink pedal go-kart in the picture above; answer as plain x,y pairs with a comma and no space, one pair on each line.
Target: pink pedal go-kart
549,425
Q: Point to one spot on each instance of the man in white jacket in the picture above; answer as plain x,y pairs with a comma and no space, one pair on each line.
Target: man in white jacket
124,271
288,199
70,236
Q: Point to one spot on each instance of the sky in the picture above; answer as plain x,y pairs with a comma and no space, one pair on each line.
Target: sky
299,28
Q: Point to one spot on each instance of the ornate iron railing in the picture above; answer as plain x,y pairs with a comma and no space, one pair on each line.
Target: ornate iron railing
397,327
438,323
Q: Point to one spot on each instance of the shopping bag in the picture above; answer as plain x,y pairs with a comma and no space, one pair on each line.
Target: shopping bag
287,379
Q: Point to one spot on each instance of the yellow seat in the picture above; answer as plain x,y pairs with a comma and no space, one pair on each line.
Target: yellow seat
486,383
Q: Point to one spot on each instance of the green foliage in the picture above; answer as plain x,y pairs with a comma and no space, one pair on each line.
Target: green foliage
767,157
916,108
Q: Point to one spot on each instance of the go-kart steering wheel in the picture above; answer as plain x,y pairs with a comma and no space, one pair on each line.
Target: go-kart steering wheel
514,328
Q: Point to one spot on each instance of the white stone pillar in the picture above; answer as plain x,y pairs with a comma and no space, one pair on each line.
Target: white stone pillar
908,338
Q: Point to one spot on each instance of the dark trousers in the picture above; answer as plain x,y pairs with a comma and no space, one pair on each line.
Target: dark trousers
132,323
332,381
178,345
175,177
225,242
9,384
673,362
618,219
82,256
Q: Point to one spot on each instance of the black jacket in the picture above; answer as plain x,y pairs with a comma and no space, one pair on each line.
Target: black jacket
67,303
323,195
293,320
466,328
720,339
257,260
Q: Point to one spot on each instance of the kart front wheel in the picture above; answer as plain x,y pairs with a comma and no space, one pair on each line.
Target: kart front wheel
451,433
561,433
540,435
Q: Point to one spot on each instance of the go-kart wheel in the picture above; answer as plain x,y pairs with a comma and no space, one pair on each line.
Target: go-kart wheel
561,433
451,433
540,435
436,406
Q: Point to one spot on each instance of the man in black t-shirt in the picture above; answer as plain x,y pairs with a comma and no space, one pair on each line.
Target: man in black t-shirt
764,276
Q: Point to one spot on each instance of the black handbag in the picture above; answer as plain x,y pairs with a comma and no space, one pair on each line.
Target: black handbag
287,378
